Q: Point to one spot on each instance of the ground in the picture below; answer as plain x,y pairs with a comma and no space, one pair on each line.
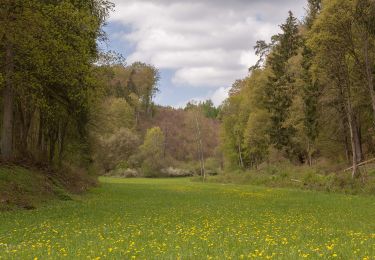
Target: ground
180,219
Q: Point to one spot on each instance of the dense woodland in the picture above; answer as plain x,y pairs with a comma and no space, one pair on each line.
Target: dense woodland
309,100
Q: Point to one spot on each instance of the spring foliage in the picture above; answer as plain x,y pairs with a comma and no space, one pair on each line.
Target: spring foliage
311,95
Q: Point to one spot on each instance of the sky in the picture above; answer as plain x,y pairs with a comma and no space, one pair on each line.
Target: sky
199,46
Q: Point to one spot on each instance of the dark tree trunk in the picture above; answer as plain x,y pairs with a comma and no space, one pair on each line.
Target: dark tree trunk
357,140
347,149
25,116
369,75
52,146
62,140
8,107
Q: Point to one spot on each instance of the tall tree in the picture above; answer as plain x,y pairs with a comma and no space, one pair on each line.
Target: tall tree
330,40
279,88
311,86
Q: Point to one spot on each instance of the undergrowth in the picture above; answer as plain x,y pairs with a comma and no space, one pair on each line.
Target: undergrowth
302,177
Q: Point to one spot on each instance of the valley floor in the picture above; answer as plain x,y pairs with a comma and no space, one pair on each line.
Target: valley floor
180,219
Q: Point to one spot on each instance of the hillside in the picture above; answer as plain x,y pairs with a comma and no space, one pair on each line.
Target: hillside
31,187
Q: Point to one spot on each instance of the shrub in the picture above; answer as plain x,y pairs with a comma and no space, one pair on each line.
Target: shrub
117,148
176,172
124,173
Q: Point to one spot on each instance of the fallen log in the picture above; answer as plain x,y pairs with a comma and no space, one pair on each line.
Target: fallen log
361,164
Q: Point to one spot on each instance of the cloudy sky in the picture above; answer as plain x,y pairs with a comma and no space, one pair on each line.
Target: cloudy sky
200,46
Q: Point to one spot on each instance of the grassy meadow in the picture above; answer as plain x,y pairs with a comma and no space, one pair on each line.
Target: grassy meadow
180,219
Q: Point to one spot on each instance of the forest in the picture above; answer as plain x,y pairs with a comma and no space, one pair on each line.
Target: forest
310,97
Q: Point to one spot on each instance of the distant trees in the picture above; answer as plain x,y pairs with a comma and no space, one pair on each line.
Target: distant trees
123,116
124,101
207,107
317,80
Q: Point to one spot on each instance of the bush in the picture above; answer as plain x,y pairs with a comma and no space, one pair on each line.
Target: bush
124,173
175,172
117,148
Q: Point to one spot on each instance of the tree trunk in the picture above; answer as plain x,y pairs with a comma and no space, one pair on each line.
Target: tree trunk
25,116
347,149
62,135
8,107
370,77
240,154
357,139
354,140
200,144
309,153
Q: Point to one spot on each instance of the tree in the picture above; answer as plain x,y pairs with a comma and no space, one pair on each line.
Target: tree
152,152
313,9
279,89
117,148
331,35
311,86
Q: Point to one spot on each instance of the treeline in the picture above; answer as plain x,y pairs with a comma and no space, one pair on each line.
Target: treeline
131,136
48,51
310,98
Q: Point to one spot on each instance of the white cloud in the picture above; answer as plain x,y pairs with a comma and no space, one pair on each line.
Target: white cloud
220,95
217,97
206,76
208,43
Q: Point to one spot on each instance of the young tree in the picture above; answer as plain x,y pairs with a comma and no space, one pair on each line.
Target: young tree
152,152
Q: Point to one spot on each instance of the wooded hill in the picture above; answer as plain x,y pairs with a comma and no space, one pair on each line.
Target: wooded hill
132,136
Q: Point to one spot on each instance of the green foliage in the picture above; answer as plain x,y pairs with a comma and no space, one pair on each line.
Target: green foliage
313,9
207,107
311,94
152,152
116,148
50,49
279,88
245,123
256,140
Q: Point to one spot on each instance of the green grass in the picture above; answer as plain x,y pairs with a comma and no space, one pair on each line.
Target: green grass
24,188
177,218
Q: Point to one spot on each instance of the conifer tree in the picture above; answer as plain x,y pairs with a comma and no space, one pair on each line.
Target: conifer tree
279,90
